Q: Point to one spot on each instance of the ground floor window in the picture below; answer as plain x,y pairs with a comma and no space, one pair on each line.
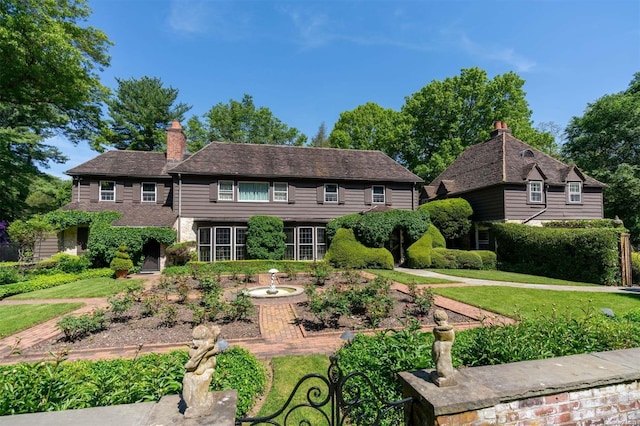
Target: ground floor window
217,243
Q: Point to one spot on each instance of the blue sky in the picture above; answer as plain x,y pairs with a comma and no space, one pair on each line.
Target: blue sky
308,61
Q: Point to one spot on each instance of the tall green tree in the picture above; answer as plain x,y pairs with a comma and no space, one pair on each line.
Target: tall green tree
448,116
48,86
139,114
605,143
242,122
371,126
47,193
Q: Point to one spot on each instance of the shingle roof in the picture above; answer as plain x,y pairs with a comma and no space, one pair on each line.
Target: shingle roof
504,159
253,160
133,214
124,163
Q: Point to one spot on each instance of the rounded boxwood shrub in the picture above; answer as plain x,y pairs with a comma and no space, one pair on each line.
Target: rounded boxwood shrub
467,259
121,260
442,258
419,253
437,240
346,252
450,216
265,238
489,259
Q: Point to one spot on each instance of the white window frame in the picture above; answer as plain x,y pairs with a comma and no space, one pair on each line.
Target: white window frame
328,195
240,200
280,195
302,244
574,195
290,244
142,192
237,245
535,191
320,243
381,197
217,245
225,194
104,193
204,231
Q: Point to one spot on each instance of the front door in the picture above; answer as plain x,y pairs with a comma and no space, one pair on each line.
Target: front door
151,254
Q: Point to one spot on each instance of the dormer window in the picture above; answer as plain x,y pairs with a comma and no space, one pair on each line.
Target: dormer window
574,190
535,191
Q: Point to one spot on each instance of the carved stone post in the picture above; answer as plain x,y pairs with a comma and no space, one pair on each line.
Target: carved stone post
199,371
444,374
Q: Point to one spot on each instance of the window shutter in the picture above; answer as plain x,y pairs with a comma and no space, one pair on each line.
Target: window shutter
94,192
119,192
341,194
367,196
136,192
213,191
388,196
292,194
320,194
160,193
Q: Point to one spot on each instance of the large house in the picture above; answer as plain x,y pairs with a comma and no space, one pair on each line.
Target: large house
209,196
506,180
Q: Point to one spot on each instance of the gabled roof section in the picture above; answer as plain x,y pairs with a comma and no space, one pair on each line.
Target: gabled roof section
136,214
124,163
504,159
277,161
533,170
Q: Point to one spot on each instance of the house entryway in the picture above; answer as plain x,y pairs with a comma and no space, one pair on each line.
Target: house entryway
395,246
151,256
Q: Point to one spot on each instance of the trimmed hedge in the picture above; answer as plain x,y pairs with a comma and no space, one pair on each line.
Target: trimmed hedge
265,238
437,239
584,223
489,258
450,216
588,255
442,258
419,253
46,281
346,252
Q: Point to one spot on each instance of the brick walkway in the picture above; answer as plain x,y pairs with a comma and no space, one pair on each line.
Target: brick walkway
280,334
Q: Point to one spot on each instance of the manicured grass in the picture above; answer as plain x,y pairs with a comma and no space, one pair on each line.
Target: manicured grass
506,276
14,318
93,287
530,302
404,278
287,370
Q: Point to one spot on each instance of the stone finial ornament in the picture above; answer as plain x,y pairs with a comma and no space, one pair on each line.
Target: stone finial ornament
199,371
444,374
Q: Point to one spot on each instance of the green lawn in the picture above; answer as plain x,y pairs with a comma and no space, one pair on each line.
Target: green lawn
506,276
529,302
14,318
404,278
287,370
93,287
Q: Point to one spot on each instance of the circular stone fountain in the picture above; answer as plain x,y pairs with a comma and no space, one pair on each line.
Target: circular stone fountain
273,291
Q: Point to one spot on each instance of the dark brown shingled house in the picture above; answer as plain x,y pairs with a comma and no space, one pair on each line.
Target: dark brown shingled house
506,180
209,196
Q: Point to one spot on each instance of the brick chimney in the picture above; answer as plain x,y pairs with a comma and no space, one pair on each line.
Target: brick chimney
176,142
499,127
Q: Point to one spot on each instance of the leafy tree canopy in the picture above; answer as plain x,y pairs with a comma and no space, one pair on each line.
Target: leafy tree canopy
47,193
139,114
48,85
242,122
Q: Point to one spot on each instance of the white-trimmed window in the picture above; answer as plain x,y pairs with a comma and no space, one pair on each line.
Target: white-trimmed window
330,193
225,190
253,191
575,192
204,244
290,241
305,243
107,190
222,247
321,243
280,191
241,243
377,194
148,192
535,191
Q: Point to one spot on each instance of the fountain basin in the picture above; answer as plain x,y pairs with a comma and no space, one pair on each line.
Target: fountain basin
280,291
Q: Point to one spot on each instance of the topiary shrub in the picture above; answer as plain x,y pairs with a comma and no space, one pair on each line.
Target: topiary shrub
346,252
179,254
450,216
489,259
442,258
121,260
467,259
419,253
635,267
265,238
437,240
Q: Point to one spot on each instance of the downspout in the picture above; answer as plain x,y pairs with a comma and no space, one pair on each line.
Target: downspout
546,190
179,207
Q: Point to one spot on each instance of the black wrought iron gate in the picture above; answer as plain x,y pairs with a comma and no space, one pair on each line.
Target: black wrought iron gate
336,399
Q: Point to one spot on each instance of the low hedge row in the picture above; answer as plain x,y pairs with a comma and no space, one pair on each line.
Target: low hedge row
46,281
239,266
346,252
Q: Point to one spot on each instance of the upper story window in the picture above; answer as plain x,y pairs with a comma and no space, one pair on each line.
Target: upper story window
225,190
253,191
107,190
280,191
377,194
575,192
330,193
535,191
148,192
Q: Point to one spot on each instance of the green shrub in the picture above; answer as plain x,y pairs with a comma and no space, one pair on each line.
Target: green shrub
70,263
437,240
265,238
241,307
419,253
121,260
468,259
635,267
77,327
9,275
346,252
180,253
442,258
450,216
47,281
489,258
583,223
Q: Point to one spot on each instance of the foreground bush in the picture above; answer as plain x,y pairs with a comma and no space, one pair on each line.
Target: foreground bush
419,253
346,252
46,281
63,385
